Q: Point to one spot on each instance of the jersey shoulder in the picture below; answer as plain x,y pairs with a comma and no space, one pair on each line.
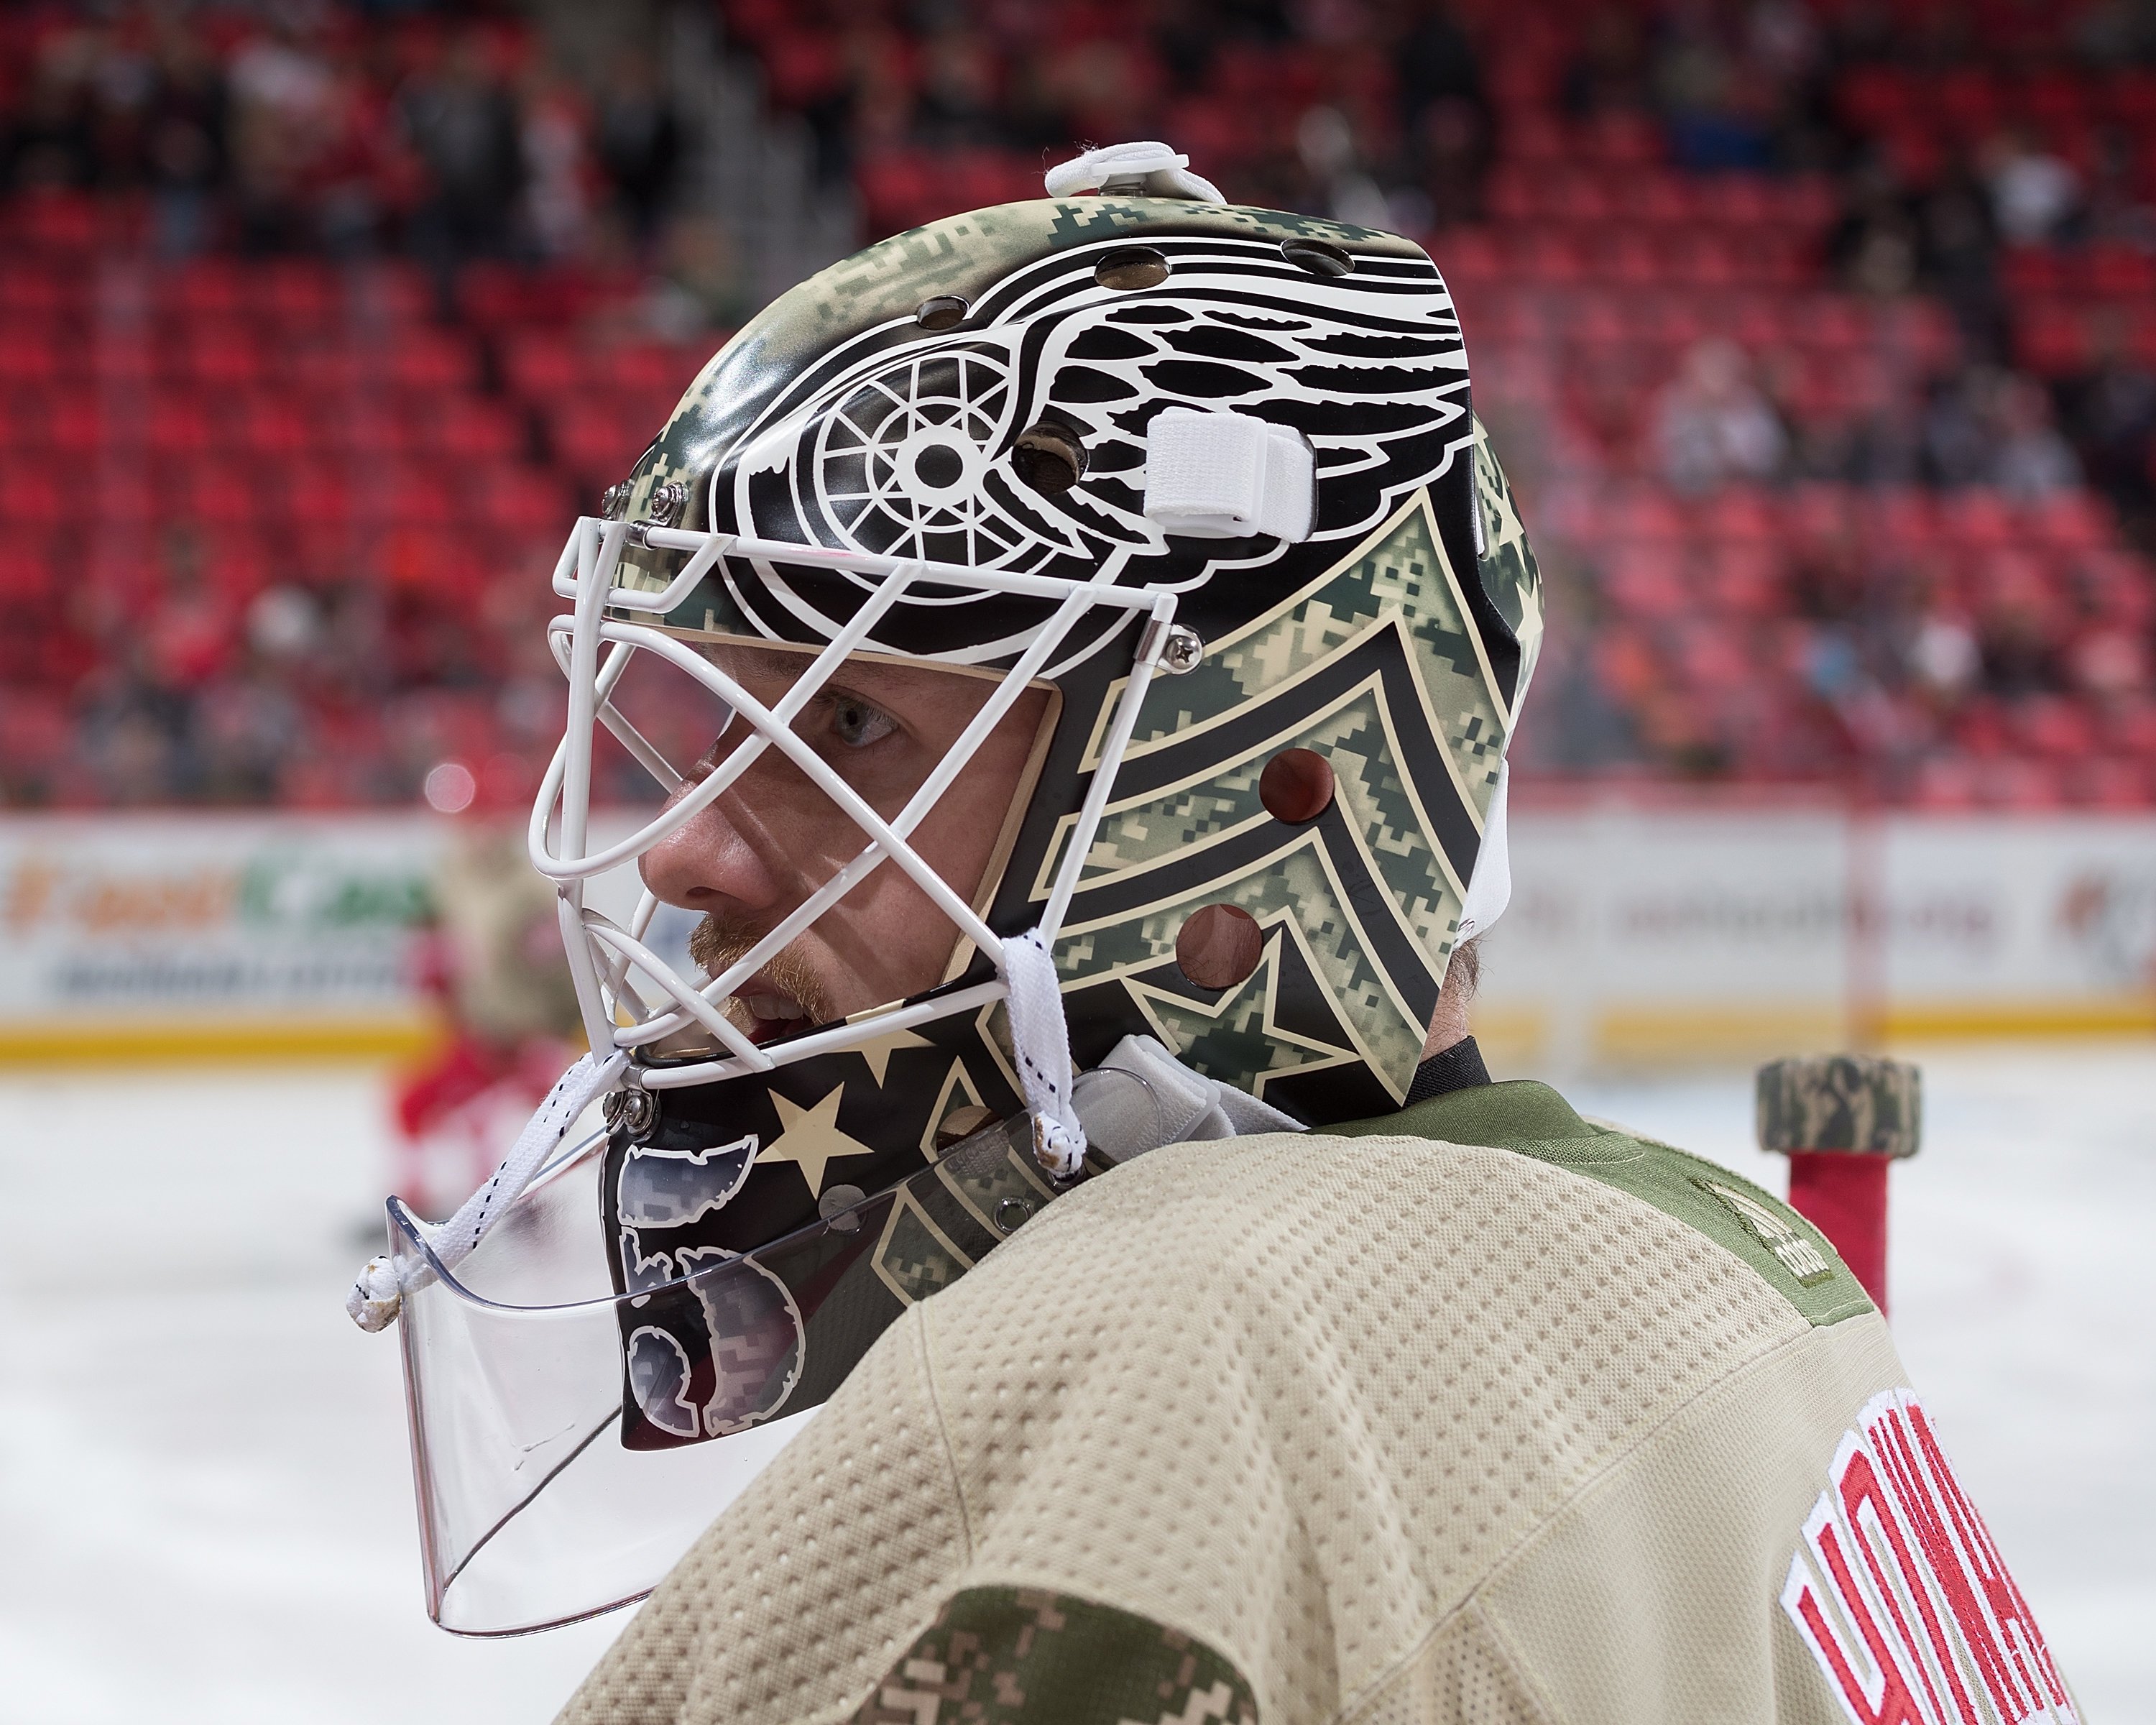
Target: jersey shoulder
1531,1119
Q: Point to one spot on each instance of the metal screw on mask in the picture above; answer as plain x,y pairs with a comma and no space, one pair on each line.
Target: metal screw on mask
664,507
614,500
1182,651
1012,1213
632,1112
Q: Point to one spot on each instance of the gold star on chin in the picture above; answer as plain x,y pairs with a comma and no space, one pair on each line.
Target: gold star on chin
810,1138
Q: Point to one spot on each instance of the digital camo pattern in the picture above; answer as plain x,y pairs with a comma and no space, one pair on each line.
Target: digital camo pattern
1379,667
1396,641
1846,1102
1510,576
998,1655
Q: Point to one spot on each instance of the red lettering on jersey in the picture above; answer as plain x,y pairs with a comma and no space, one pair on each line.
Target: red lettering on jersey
1900,1592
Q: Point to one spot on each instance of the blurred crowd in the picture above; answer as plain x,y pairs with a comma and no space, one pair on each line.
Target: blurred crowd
305,126
1821,334
1392,112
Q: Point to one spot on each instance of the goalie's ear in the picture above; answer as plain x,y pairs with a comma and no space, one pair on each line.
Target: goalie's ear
1228,476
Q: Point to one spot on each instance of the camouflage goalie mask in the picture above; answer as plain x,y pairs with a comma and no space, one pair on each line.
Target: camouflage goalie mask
1192,494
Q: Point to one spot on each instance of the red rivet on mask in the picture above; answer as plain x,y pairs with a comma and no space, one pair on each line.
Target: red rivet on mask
1219,946
1296,785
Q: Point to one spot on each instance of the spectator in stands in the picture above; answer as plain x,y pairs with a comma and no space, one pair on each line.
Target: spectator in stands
2029,460
880,102
2018,627
1873,246
460,121
1608,71
958,108
638,140
1884,265
286,114
1444,119
1941,659
1958,444
1339,186
2034,194
1958,251
558,167
2110,416
1987,427
1714,423
1716,109
48,137
185,130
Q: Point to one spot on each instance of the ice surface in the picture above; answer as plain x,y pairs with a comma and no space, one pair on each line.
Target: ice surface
205,1502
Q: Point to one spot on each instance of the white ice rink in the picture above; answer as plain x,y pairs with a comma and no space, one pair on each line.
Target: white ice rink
205,1508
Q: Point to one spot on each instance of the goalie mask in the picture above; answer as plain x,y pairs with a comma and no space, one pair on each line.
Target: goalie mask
1155,545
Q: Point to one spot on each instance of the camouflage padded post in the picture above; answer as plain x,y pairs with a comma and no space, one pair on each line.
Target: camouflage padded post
1849,1104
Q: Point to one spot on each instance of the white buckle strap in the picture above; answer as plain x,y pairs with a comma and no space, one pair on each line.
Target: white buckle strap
1147,169
1141,1097
1227,476
1040,1040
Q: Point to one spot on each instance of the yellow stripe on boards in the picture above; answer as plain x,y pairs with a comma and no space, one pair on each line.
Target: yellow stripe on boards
110,1042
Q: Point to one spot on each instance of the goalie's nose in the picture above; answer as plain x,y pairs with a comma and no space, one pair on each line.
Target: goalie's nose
715,861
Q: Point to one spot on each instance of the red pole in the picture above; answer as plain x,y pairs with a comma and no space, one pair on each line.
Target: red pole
1844,1198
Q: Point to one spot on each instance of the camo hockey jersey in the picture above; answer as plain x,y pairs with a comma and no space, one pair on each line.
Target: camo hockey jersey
1476,1413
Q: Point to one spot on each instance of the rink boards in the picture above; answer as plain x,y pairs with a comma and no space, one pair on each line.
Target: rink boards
1643,930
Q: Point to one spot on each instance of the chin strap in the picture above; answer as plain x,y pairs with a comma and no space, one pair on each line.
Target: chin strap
1040,1039
1141,1097
375,1296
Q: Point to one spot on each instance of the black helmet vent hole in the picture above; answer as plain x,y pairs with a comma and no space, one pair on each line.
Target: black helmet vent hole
1049,458
1316,257
940,312
1130,267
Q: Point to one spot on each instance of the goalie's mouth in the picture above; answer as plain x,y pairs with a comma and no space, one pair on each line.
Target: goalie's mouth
768,1013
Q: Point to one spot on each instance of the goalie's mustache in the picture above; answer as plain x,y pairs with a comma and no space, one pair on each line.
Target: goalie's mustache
721,941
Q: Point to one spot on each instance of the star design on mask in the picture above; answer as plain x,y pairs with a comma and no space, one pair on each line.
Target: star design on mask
1237,1038
878,1053
809,1137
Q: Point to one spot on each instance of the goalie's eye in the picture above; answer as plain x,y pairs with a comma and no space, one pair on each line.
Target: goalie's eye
856,724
